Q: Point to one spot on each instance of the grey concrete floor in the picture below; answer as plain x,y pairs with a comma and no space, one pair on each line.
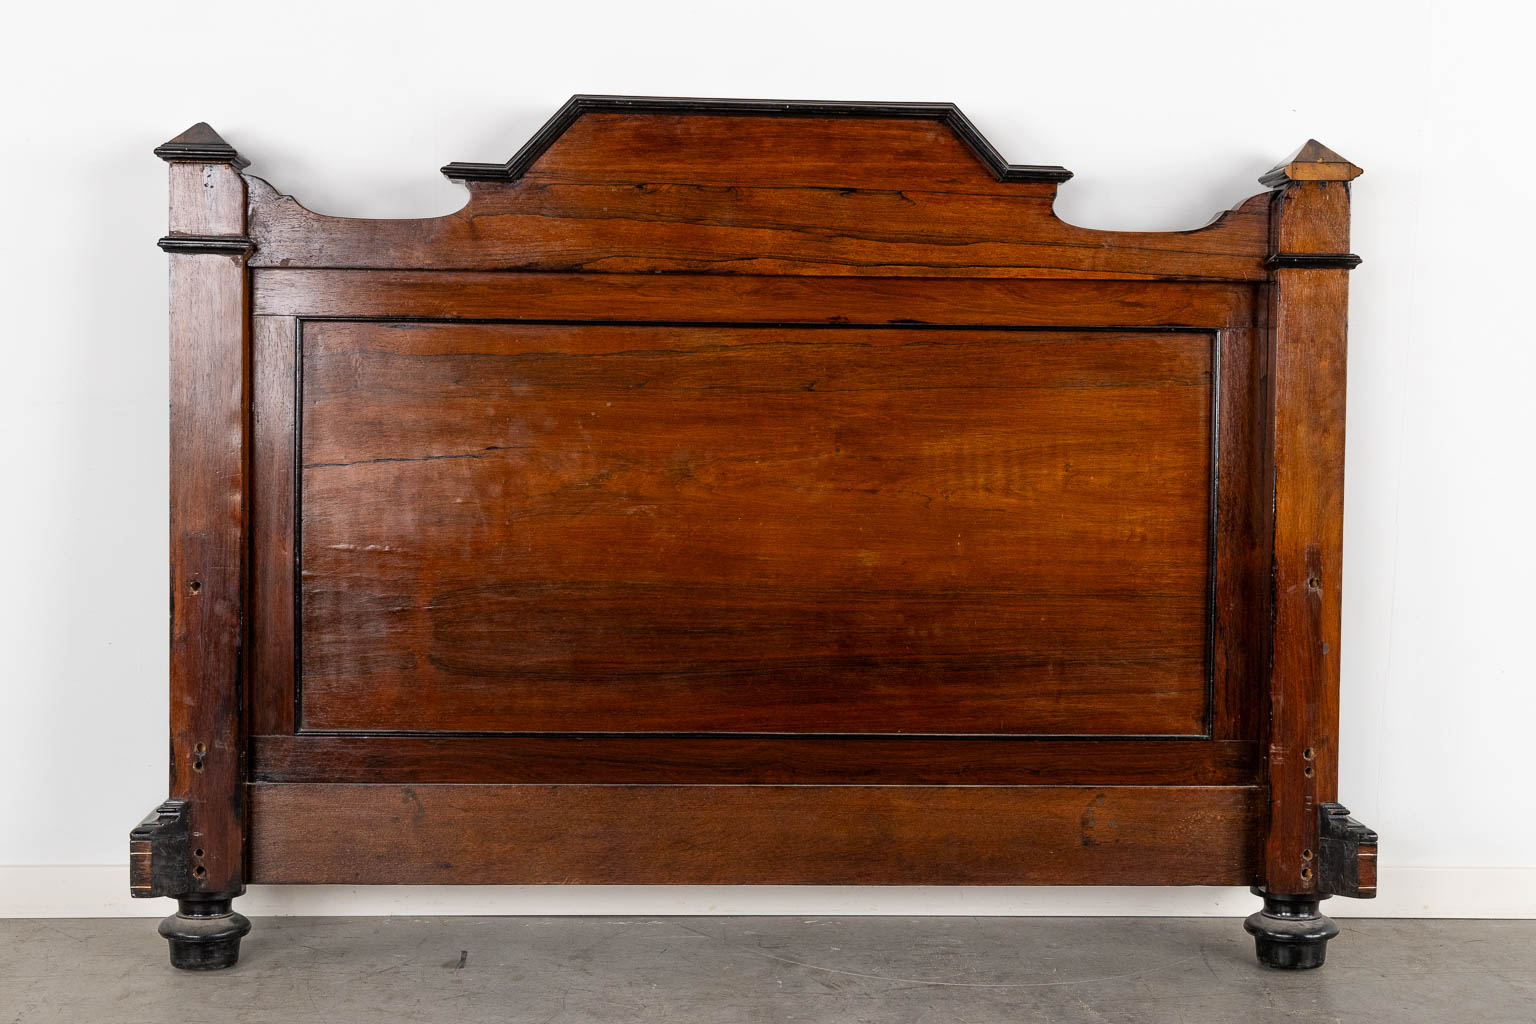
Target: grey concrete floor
767,969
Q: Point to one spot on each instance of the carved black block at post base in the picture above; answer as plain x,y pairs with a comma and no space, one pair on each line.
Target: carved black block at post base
1346,849
205,932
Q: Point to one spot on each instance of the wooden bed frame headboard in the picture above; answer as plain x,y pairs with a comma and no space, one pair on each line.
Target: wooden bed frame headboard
754,492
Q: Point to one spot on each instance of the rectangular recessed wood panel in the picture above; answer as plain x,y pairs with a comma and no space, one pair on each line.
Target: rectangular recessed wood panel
607,528
763,835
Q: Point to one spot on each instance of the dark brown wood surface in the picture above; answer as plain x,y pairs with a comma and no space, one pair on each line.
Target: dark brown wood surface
709,529
1240,576
760,196
755,493
727,835
1307,383
466,295
210,395
273,637
755,760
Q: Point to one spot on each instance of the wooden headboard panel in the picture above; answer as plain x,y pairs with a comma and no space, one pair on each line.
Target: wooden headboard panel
754,492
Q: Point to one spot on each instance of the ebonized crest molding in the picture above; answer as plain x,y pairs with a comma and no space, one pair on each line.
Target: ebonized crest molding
945,113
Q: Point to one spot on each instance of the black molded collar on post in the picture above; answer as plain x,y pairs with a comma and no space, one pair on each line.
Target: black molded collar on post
200,144
945,113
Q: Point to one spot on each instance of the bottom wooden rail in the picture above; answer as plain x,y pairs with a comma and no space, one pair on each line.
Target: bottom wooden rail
728,835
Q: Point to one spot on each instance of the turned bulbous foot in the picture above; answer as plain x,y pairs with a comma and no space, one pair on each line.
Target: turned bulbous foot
1290,933
205,933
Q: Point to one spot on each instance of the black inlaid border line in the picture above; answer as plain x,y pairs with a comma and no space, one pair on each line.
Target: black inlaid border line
946,114
298,524
786,325
1021,737
1207,734
1213,539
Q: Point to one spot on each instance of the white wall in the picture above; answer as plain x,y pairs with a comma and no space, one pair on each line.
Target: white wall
1166,111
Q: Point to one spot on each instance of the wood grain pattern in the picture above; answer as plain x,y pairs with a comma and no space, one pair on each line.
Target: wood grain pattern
670,298
810,152
561,528
1307,385
742,195
727,835
207,200
1240,576
274,363
582,104
732,495
210,397
736,760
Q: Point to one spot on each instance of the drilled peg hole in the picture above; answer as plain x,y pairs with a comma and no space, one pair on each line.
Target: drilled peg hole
1306,755
199,852
195,586
200,871
1306,873
1309,771
197,766
201,749
1305,854
1313,583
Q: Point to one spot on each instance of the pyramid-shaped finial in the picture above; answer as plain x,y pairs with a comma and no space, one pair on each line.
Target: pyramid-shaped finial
1312,162
200,144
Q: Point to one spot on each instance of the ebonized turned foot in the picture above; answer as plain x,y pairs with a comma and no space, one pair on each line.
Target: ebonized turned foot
205,933
1290,933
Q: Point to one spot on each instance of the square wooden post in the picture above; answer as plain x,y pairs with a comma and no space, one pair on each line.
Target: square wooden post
193,846
1308,318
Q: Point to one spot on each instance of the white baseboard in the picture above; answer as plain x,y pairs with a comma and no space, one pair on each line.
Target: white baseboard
102,891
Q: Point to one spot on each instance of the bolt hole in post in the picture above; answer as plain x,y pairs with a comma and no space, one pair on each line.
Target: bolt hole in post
197,852
1306,755
1306,874
197,766
200,749
195,586
199,871
1305,854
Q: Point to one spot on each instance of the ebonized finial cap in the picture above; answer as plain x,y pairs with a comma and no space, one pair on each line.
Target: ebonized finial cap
200,144
1312,162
